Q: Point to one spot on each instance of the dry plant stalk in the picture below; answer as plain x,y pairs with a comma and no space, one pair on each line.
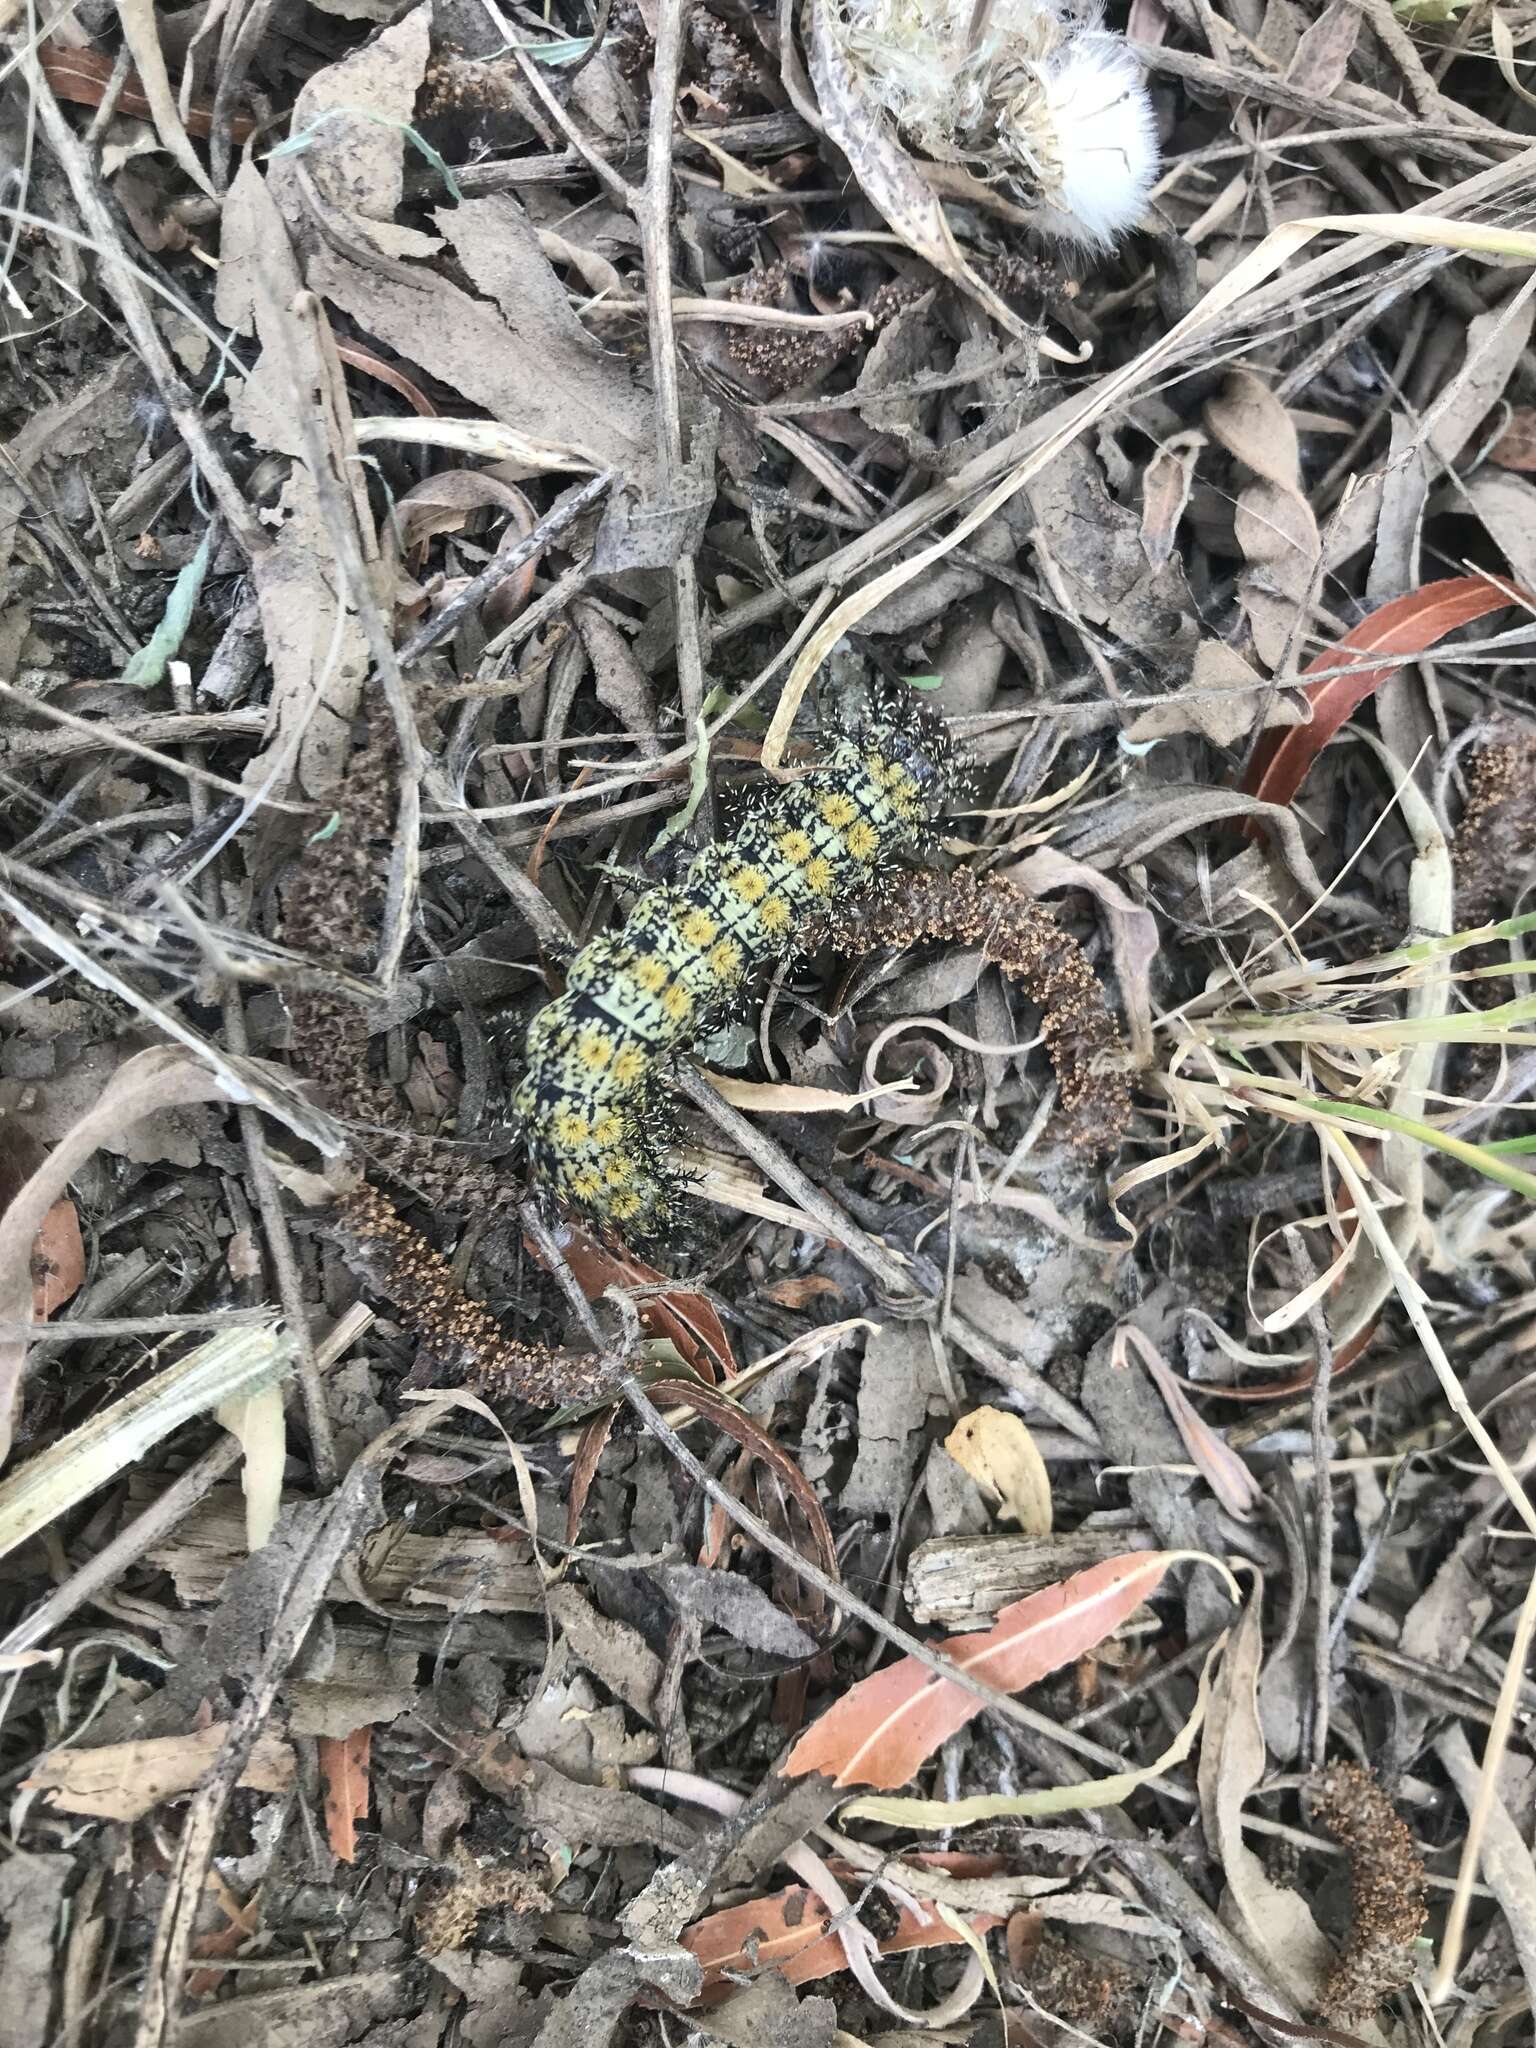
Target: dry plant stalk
467,1345
1389,1908
1020,936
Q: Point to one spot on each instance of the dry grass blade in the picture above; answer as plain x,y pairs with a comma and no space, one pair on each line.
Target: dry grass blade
229,1367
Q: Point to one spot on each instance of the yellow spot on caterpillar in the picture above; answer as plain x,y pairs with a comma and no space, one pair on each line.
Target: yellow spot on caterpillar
619,1170
651,974
837,811
699,928
629,1066
606,1128
877,768
795,846
774,913
585,1185
750,884
623,1204
905,794
570,1127
862,840
819,877
594,1048
725,960
677,1003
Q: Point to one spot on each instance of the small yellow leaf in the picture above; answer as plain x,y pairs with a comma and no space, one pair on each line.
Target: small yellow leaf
999,1453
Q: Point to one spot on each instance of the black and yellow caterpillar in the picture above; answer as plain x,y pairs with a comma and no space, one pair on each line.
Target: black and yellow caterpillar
590,1099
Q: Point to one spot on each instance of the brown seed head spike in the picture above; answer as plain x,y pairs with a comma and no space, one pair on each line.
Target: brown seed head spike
1021,937
468,1346
1389,1908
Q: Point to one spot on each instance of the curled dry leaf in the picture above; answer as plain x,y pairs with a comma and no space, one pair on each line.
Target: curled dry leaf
1274,1921
890,1724
757,1443
998,1451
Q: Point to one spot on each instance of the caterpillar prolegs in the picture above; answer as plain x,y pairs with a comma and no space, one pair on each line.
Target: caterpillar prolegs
590,1100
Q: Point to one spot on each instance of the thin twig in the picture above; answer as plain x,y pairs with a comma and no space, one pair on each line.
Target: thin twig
343,517
900,1281
1487,1795
653,212
500,567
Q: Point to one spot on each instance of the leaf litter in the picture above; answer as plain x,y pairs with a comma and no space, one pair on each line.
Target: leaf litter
452,465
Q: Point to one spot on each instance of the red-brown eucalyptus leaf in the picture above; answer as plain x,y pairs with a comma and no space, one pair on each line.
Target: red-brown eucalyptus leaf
757,1443
1342,682
81,77
689,1320
787,1932
882,1731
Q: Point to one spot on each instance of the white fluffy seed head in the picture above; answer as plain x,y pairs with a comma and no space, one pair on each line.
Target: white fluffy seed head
1050,100
1104,161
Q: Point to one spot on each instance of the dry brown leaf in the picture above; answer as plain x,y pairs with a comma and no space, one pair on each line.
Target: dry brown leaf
1506,504
350,161
125,1780
996,1448
1220,700
1275,1923
344,1773
1320,62
1273,521
887,1726
1165,489
313,639
1496,341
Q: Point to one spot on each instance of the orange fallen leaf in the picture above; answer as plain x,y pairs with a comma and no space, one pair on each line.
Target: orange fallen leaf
881,1731
1341,682
58,1259
344,1773
787,1932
